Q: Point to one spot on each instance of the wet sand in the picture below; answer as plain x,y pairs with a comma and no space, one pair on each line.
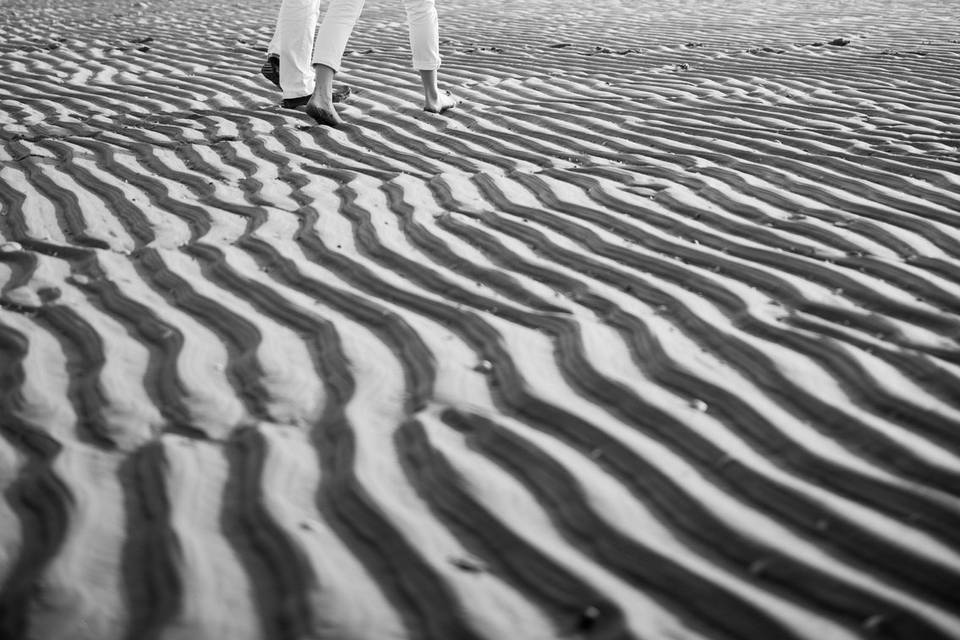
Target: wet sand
654,337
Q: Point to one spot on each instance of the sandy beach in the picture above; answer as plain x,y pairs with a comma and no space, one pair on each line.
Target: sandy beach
654,337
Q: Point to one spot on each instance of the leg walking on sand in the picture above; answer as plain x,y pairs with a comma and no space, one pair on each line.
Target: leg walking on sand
289,62
328,48
425,45
292,44
290,49
332,39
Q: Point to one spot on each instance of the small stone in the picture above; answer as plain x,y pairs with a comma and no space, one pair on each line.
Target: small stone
485,366
759,567
875,623
10,247
470,565
588,618
48,294
699,405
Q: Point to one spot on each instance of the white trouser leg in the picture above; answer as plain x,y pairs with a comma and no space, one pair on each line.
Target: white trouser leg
424,34
335,29
296,23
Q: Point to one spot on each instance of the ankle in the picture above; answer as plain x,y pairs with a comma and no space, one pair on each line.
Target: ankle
431,90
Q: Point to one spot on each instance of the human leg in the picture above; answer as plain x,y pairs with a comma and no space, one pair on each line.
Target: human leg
271,71
334,32
424,30
293,41
425,46
436,100
328,48
320,107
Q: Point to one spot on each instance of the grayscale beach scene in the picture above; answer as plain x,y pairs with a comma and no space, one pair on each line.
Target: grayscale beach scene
651,332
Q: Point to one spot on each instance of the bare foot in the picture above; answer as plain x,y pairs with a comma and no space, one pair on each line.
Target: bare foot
444,100
323,113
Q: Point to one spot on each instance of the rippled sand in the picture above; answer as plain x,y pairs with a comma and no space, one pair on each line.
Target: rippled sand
654,337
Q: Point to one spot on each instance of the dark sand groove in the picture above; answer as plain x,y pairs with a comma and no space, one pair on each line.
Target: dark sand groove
654,337
922,576
151,553
443,255
739,414
640,476
76,101
770,371
522,228
565,596
107,160
242,337
725,614
423,601
65,206
37,496
165,341
795,509
281,578
129,215
813,412
41,501
85,360
560,489
828,278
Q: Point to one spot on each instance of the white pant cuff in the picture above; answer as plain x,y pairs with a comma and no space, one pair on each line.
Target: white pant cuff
328,63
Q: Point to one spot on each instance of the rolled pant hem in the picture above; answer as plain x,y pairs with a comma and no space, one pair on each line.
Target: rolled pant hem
327,63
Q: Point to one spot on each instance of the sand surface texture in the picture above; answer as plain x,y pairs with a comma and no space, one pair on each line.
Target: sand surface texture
655,337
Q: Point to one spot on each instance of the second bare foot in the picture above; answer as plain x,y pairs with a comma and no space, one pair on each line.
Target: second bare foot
444,100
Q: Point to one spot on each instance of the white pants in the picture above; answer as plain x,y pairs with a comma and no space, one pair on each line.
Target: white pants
297,21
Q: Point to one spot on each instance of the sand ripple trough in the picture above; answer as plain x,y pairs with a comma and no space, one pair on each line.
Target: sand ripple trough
656,336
